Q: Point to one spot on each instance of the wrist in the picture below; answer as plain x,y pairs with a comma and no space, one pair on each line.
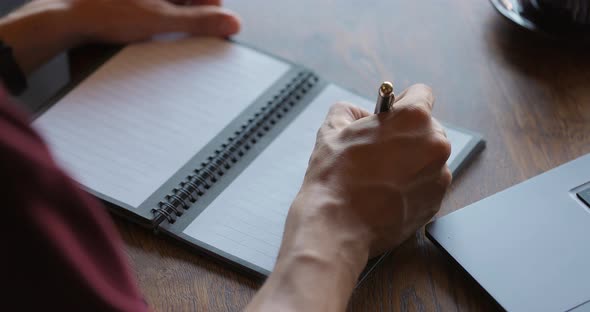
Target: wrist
320,259
323,252
320,230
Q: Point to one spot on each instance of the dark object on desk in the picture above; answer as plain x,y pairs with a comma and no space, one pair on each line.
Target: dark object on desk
532,237
573,12
10,72
46,81
558,19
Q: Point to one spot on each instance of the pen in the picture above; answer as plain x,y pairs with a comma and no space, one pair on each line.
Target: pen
386,98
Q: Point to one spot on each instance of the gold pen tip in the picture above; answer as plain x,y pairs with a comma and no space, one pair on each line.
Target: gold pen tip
386,88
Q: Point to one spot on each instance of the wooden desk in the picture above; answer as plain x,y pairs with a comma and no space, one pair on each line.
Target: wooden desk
530,97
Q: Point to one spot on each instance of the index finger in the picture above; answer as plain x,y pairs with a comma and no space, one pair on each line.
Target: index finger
418,94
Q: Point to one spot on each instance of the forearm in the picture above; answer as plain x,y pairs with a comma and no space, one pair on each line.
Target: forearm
305,283
43,28
37,32
318,265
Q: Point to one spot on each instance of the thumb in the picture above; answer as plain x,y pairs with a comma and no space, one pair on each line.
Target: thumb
343,114
207,20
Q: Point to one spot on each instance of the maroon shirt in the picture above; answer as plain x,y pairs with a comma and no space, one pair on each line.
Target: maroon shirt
60,250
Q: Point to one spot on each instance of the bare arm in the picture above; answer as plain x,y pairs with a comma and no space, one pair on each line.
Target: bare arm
36,33
43,28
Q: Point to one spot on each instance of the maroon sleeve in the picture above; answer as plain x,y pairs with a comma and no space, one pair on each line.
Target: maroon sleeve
60,250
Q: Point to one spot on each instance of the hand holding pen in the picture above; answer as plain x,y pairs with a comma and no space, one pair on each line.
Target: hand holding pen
382,174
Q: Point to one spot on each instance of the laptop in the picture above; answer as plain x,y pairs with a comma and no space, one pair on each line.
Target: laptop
529,245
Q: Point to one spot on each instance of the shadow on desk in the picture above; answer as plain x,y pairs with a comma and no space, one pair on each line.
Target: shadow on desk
556,62
543,90
415,266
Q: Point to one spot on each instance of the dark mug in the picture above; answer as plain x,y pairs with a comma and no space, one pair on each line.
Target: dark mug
560,13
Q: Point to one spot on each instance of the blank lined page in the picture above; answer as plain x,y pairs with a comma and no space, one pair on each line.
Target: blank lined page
247,219
133,123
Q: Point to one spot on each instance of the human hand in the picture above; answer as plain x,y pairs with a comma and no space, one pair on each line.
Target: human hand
40,29
124,21
372,181
375,179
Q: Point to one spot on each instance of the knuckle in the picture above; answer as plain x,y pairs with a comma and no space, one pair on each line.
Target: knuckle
320,134
347,133
333,111
323,134
417,114
339,106
438,128
447,177
441,147
366,130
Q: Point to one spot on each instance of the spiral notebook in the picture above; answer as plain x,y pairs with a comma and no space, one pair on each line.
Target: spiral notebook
206,140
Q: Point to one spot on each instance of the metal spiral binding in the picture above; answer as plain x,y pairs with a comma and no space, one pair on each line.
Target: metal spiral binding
229,153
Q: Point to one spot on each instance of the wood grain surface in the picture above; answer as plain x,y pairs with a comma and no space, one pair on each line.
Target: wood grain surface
529,95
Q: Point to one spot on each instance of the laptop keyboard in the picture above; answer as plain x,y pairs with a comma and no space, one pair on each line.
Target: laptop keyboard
584,196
